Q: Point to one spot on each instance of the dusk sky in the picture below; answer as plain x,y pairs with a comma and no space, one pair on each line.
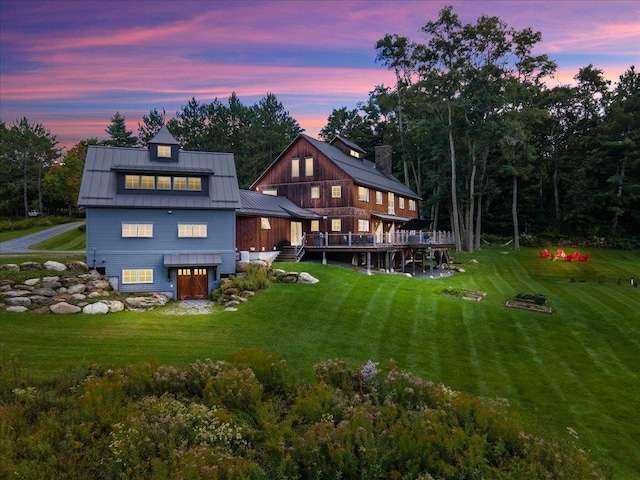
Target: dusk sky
71,64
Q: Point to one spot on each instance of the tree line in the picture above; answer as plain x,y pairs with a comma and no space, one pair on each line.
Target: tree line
476,132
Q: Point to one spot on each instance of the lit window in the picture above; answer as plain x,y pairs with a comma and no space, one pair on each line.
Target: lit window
144,275
401,203
148,182
378,198
179,183
163,183
270,192
315,192
412,205
353,153
363,225
192,230
132,181
194,183
264,223
164,151
363,194
295,167
391,204
336,225
137,230
336,191
315,225
308,167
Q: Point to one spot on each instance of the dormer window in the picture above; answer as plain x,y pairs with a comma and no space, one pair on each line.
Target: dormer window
354,153
164,151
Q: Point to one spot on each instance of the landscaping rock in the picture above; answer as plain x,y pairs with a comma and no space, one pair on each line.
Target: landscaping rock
77,288
231,309
78,265
18,301
98,284
113,305
16,293
64,307
45,292
31,281
290,277
473,261
56,266
145,303
40,299
307,278
50,279
30,266
16,309
10,266
78,296
96,308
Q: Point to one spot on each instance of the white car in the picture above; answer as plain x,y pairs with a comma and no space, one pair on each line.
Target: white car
35,213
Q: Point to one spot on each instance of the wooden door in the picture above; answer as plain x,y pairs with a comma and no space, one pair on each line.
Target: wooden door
192,283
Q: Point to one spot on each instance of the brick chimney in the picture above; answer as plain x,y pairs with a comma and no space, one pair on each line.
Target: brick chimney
383,159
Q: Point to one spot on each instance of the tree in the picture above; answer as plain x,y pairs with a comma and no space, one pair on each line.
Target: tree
151,125
119,136
28,150
62,181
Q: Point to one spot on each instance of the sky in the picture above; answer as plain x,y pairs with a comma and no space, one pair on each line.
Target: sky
71,64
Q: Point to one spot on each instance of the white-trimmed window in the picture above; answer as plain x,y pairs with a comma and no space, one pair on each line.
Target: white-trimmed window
148,182
363,225
315,225
137,230
132,181
336,191
353,153
271,191
295,167
363,194
192,230
378,198
164,151
391,203
315,192
139,275
163,183
401,203
412,205
194,183
264,223
336,225
179,183
308,167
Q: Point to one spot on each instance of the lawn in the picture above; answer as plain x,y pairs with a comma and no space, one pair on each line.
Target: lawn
577,367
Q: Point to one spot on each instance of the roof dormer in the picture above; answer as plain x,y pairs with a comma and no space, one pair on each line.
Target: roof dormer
164,147
348,147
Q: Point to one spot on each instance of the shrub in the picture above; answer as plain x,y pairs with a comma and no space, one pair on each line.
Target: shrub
537,298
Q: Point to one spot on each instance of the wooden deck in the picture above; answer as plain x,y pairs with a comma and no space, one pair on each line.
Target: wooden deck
399,250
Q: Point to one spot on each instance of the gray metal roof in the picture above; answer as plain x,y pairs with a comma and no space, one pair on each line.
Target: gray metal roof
102,165
164,137
348,143
261,205
196,259
363,172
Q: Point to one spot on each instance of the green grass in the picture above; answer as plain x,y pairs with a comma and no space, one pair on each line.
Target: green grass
577,367
11,227
74,239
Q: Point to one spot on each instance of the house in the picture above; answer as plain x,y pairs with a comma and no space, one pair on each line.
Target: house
267,223
357,201
160,219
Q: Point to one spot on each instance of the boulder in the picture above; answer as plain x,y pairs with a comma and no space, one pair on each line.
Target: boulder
16,309
228,309
113,305
98,308
145,303
10,266
473,261
30,266
50,279
77,288
307,278
78,265
16,293
64,307
18,301
98,284
41,310
78,296
45,292
290,278
40,299
94,295
31,281
56,266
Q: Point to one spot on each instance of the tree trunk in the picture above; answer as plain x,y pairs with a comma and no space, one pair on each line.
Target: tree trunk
470,212
556,192
454,195
514,214
483,170
25,198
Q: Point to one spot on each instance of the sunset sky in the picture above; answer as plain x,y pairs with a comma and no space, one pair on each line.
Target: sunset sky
71,64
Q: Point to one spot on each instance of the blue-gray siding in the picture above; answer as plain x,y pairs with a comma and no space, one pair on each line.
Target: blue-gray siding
106,248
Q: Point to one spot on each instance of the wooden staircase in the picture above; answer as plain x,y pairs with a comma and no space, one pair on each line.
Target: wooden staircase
287,254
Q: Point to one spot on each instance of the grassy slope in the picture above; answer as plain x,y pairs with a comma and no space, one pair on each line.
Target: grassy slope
67,241
575,368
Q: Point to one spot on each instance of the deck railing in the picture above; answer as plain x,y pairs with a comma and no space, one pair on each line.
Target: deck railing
400,238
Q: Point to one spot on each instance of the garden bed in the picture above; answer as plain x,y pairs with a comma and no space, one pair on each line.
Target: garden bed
471,295
532,307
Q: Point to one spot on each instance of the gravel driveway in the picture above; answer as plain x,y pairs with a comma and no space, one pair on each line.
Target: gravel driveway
22,244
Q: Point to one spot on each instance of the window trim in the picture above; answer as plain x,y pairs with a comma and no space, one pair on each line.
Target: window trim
137,225
336,191
308,166
363,194
336,222
264,223
190,232
295,168
363,225
315,226
379,200
164,151
315,189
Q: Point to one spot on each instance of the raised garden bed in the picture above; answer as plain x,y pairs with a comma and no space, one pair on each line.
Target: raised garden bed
471,295
532,307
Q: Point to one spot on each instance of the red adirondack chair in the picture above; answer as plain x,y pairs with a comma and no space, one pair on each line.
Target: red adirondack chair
583,258
545,253
568,258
